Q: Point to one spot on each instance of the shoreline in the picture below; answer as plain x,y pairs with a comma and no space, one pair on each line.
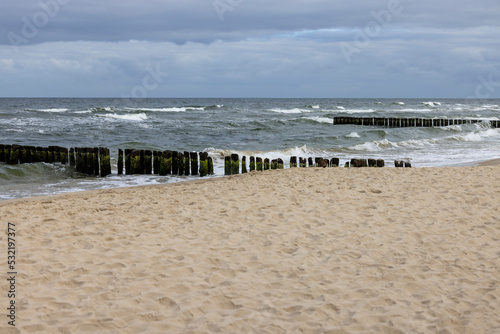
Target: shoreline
302,249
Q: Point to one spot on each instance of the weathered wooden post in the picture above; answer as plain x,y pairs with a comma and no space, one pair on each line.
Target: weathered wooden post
281,164
105,161
266,164
128,161
252,164
156,162
302,162
187,168
78,159
346,165
175,163
166,163
120,162
148,162
293,162
322,163
136,163
243,165
235,164
259,164
64,155
380,163
210,165
194,163
2,153
24,155
14,155
227,165
274,164
95,152
57,154
180,163
407,165
335,162
398,163
203,164
50,155
372,163
311,162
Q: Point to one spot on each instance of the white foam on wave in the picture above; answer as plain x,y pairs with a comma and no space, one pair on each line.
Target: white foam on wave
290,111
315,107
53,110
353,135
320,119
172,109
432,104
132,117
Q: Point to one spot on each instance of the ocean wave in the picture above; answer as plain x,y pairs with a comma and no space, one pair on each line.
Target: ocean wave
353,135
131,117
320,119
56,110
290,111
432,104
172,109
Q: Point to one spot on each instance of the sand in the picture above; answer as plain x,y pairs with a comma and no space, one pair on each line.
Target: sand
336,250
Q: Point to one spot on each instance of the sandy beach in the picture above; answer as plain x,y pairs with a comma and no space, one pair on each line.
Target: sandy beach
335,250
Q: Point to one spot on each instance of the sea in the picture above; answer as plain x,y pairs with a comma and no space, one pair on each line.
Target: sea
269,128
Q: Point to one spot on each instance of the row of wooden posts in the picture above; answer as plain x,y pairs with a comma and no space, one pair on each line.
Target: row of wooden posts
96,161
398,122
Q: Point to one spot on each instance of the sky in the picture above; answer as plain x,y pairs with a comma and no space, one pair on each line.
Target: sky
250,48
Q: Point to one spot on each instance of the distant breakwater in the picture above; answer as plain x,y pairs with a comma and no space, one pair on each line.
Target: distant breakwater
400,122
96,161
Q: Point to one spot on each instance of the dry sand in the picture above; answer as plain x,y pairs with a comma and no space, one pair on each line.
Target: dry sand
335,250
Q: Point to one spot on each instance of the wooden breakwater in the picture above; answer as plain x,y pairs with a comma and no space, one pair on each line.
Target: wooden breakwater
96,161
399,122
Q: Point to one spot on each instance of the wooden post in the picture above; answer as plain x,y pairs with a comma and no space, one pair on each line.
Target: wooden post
180,163
258,164
136,165
148,162
281,164
372,163
311,162
156,162
407,165
77,155
266,164
120,162
210,165
166,163
293,162
335,162
2,153
64,155
95,152
175,163
227,165
274,164
322,163
105,161
203,164
302,162
252,164
128,161
50,154
186,163
235,164
14,155
380,163
194,163
243,165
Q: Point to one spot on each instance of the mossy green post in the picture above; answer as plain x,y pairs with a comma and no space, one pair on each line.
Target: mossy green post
175,163
128,161
274,164
180,162
120,162
302,162
243,165
193,156
187,169
266,164
311,162
210,166
166,163
50,155
148,162
335,162
64,155
105,161
293,162
372,163
235,164
57,154
156,162
135,162
227,165
203,164
14,155
252,164
258,164
281,164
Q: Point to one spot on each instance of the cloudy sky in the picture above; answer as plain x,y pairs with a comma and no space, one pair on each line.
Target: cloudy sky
250,48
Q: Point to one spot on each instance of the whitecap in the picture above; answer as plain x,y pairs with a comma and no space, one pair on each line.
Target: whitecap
353,135
132,117
290,111
320,119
